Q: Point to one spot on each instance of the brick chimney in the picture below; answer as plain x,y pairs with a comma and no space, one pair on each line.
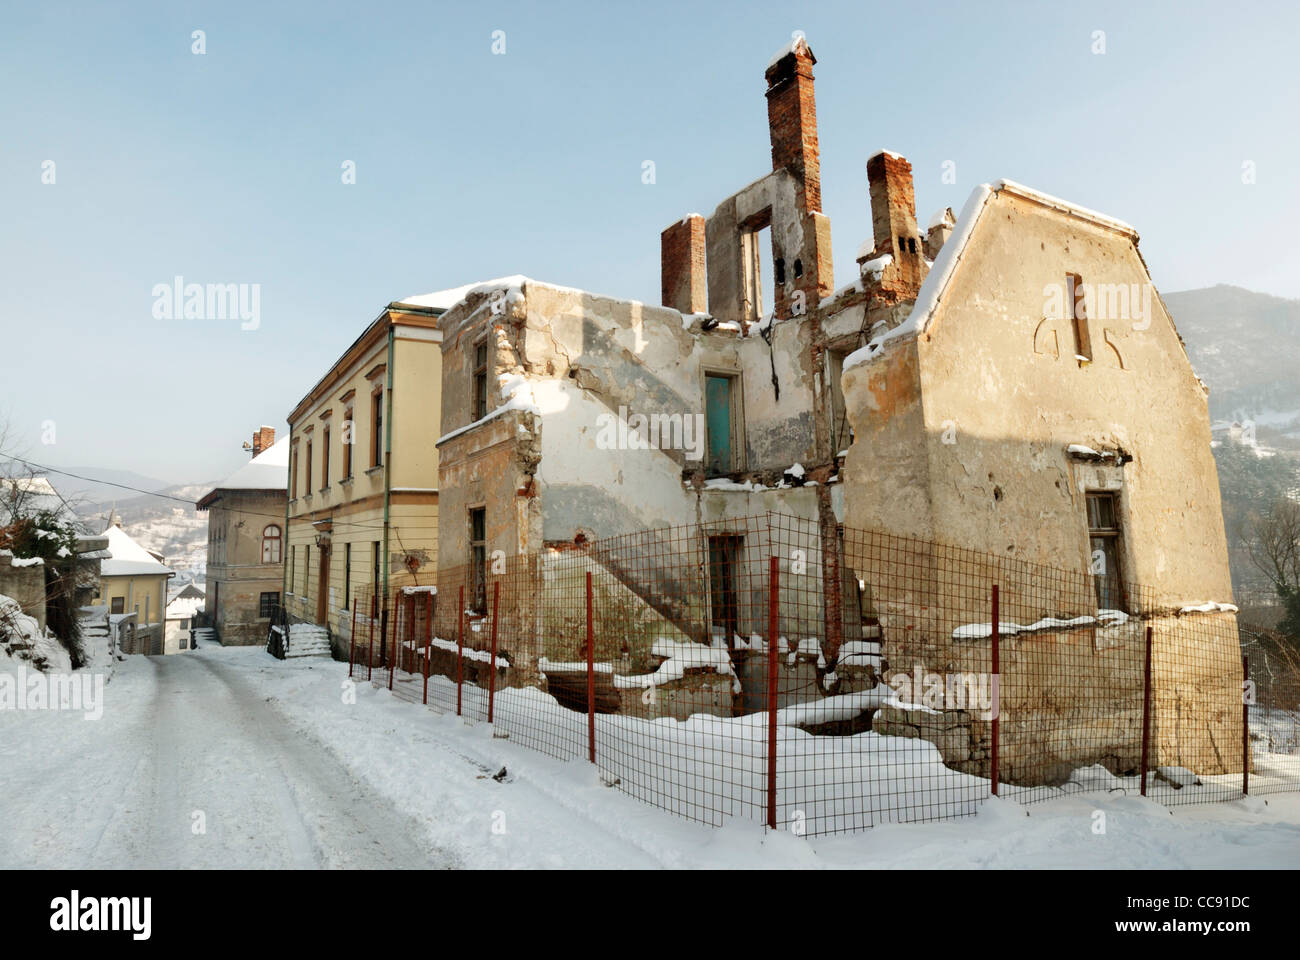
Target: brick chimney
893,219
263,438
792,120
683,281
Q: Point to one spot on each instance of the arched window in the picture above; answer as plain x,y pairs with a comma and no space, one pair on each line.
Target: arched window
271,544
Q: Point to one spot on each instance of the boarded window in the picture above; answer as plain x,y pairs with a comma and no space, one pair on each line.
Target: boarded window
117,605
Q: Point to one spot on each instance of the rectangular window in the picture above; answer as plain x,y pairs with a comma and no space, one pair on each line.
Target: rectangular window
348,435
184,643
306,569
293,476
267,603
307,479
724,585
374,567
117,605
480,381
293,556
377,427
722,408
325,459
1077,306
841,432
347,576
478,558
185,624
1105,546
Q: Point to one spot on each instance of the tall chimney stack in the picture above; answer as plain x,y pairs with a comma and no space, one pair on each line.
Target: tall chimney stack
792,120
682,278
893,217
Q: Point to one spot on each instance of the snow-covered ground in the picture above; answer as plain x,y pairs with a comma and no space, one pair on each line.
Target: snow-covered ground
287,764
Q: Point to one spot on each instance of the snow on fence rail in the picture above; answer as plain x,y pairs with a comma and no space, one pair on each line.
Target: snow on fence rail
748,669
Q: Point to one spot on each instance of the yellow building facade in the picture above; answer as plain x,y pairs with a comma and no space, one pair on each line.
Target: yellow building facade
362,515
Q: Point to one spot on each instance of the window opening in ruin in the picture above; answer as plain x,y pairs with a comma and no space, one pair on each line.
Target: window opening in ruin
480,380
1077,310
841,435
1104,543
724,586
478,557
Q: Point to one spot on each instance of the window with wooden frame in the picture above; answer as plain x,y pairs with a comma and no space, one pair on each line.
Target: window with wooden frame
117,605
1105,542
325,458
349,436
377,426
271,541
480,380
307,478
478,558
293,475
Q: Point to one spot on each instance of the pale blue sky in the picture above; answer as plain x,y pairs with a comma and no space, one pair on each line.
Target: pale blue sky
225,168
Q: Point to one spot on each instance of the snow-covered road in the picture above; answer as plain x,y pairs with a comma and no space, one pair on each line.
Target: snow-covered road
226,757
191,767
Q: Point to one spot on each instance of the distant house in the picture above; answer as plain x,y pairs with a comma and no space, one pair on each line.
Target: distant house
133,581
181,611
246,543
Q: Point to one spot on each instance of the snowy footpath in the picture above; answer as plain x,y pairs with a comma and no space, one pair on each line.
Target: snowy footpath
226,757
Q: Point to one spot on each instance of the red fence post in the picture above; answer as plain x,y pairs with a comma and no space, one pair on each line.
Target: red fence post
352,639
492,664
370,646
428,641
460,645
997,691
1146,712
591,678
1245,727
391,649
773,604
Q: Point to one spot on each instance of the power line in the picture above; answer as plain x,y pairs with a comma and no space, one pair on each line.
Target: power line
373,526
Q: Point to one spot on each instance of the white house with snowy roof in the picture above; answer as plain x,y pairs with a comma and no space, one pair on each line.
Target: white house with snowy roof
133,583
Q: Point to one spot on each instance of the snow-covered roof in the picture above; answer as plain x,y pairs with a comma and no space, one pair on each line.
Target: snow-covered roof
446,299
936,281
184,608
37,494
129,559
269,470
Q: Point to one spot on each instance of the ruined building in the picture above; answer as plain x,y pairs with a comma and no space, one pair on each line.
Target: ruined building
1006,381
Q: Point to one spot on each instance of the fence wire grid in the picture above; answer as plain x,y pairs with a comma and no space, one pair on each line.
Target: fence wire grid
823,680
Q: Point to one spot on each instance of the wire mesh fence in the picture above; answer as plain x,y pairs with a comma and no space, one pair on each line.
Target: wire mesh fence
823,679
